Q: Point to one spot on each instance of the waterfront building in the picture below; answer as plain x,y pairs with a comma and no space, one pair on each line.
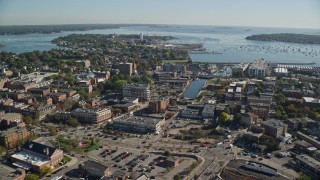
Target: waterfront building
259,68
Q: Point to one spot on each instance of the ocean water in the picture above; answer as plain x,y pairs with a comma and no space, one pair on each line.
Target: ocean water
228,41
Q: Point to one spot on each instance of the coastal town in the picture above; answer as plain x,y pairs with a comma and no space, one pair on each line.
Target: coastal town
136,107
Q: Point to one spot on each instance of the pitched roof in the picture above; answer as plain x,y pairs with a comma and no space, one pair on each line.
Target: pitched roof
39,148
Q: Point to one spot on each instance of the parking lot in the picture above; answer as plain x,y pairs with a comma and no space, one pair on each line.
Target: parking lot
131,160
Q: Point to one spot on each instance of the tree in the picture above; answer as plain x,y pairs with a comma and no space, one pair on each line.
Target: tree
167,153
117,111
52,130
291,109
304,177
2,150
237,118
31,177
314,115
280,99
176,177
224,117
257,93
119,84
173,103
227,110
45,170
71,121
27,120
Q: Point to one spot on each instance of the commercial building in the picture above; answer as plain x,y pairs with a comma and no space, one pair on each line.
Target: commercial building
259,68
34,155
94,169
92,116
208,111
126,68
274,128
140,91
158,105
12,137
137,124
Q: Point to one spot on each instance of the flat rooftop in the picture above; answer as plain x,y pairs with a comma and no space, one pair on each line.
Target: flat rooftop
309,160
250,169
30,158
139,120
7,172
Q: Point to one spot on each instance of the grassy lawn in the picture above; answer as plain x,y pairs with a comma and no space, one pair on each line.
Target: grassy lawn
175,61
92,147
65,160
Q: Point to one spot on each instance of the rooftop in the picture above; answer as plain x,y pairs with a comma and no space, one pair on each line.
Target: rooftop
309,160
274,123
140,120
94,166
259,64
30,158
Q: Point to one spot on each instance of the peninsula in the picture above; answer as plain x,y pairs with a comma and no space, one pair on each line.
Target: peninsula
287,37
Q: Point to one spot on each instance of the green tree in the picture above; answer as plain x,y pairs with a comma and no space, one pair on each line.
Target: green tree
119,84
291,108
224,117
173,103
167,153
32,177
280,99
52,130
45,170
304,177
117,111
27,120
2,150
71,121
176,177
314,115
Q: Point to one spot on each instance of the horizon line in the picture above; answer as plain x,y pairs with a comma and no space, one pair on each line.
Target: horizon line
255,26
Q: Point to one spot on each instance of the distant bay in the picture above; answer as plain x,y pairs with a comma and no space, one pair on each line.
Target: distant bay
228,41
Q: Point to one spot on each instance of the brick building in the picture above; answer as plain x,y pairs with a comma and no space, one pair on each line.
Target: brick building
13,136
34,155
158,105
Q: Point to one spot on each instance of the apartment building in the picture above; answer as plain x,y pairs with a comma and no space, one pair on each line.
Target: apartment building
274,128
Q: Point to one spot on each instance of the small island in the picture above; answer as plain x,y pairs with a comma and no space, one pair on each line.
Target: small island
287,37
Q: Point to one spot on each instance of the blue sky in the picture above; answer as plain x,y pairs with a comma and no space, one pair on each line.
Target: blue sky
270,13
